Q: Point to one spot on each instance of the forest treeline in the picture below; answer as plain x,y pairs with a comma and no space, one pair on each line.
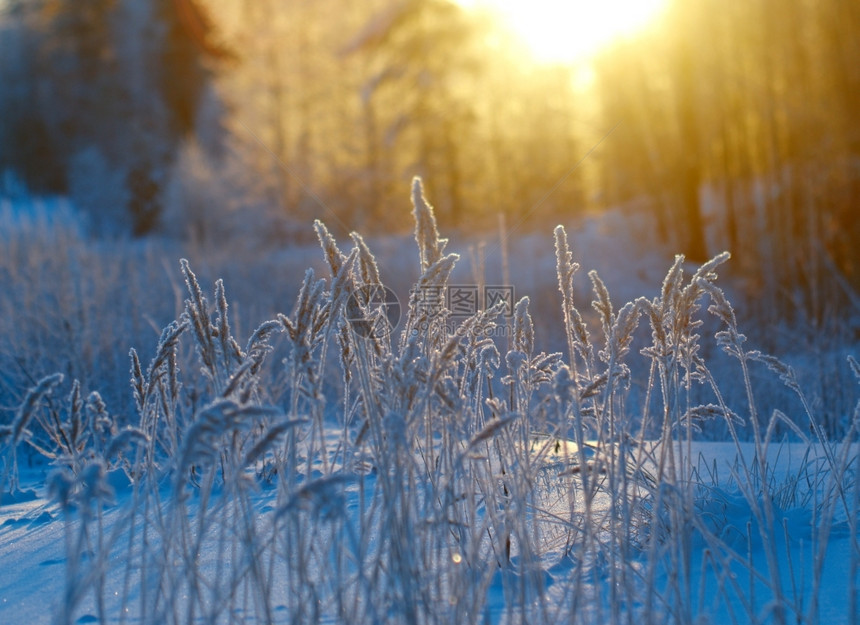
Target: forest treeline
735,124
741,122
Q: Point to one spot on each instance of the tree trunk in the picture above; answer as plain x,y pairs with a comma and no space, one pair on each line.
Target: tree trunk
692,228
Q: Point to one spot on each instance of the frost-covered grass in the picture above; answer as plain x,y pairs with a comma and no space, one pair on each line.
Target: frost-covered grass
75,304
324,471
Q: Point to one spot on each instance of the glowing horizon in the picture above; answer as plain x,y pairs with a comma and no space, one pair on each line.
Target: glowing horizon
573,31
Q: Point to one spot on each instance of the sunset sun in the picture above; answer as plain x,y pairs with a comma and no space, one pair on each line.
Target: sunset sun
567,32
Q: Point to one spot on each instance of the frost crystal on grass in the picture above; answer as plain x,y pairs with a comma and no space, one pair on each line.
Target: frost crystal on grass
414,483
430,246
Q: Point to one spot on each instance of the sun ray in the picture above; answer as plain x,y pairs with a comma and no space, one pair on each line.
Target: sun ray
572,31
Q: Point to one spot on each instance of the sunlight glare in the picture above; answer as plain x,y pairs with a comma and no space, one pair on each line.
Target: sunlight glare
571,31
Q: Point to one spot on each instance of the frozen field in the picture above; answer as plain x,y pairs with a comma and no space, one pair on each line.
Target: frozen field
326,468
729,580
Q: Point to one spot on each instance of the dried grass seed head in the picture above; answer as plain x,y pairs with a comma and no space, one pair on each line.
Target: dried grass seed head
32,401
368,268
430,246
334,256
524,331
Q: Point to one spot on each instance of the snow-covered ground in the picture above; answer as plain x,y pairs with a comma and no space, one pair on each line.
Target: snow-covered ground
814,565
316,471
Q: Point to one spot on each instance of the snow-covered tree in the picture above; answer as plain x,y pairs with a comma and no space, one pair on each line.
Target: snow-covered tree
113,85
